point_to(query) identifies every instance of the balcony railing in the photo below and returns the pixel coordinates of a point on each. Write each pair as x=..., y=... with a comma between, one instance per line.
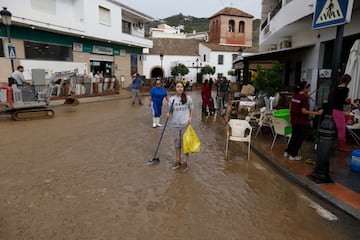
x=276, y=10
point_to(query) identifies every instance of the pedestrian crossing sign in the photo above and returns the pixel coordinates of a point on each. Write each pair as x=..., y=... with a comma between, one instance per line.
x=11, y=52
x=329, y=13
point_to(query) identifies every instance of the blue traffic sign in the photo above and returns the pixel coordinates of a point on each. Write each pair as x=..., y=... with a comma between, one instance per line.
x=329, y=13
x=11, y=52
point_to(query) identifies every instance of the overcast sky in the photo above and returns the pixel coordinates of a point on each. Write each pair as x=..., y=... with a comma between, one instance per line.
x=159, y=9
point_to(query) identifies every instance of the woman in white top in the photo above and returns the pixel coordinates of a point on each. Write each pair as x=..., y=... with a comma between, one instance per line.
x=181, y=117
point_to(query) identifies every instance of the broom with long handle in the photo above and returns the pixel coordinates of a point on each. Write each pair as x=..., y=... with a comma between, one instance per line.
x=156, y=159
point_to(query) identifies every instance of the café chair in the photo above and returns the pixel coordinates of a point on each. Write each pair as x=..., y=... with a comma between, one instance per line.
x=280, y=128
x=240, y=131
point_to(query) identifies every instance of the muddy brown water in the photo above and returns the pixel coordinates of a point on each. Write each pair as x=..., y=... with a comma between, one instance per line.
x=83, y=175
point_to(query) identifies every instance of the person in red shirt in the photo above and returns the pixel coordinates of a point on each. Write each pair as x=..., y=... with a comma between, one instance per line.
x=205, y=95
x=299, y=111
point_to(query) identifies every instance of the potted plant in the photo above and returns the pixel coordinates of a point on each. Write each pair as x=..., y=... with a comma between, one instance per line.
x=268, y=81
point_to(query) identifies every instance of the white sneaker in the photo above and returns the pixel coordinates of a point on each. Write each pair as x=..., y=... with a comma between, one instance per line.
x=296, y=158
x=286, y=154
x=159, y=125
x=154, y=125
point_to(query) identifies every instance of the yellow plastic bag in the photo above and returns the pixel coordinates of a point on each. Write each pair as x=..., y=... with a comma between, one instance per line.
x=191, y=142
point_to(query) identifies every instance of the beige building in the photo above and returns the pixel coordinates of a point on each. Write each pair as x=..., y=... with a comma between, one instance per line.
x=100, y=35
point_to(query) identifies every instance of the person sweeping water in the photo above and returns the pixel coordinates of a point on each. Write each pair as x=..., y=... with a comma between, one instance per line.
x=180, y=117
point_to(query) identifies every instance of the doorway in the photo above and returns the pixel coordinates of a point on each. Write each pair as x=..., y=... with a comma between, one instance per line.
x=102, y=66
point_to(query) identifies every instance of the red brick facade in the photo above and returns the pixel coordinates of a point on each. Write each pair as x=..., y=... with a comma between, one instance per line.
x=231, y=26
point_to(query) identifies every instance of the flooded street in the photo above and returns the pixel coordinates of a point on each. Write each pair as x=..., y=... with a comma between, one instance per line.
x=83, y=175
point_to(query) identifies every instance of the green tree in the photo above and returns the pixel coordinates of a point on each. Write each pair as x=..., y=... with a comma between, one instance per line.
x=207, y=69
x=231, y=72
x=179, y=69
x=269, y=80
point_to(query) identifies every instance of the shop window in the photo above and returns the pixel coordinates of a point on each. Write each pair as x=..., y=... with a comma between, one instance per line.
x=134, y=65
x=44, y=51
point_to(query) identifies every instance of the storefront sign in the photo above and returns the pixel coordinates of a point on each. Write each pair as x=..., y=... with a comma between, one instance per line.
x=78, y=47
x=102, y=50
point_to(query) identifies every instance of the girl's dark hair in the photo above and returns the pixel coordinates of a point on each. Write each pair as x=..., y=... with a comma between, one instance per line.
x=183, y=98
x=183, y=95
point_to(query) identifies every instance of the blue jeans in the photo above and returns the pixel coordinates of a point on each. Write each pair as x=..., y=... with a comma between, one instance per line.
x=136, y=95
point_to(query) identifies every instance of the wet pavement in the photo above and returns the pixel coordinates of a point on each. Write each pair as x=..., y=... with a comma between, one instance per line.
x=344, y=193
x=83, y=175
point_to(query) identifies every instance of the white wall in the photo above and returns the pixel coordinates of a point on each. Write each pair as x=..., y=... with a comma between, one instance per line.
x=169, y=61
x=23, y=12
x=212, y=59
x=289, y=13
x=79, y=18
x=224, y=68
x=51, y=67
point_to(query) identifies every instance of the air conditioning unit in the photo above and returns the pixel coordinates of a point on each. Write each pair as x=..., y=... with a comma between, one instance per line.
x=273, y=47
x=285, y=44
x=135, y=25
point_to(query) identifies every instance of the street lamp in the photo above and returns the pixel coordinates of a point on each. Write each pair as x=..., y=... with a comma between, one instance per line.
x=6, y=19
x=161, y=60
x=197, y=65
x=327, y=131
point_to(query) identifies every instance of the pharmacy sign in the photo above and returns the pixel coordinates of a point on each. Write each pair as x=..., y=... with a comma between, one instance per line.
x=329, y=13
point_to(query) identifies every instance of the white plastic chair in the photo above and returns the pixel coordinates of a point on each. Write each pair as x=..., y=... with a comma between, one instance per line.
x=265, y=120
x=239, y=131
x=279, y=125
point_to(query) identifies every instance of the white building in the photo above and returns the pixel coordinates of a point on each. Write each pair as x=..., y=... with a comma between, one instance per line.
x=230, y=29
x=287, y=35
x=57, y=35
x=174, y=51
x=165, y=31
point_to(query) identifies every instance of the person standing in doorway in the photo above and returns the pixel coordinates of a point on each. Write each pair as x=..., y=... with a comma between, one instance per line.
x=341, y=95
x=181, y=116
x=156, y=98
x=299, y=117
x=136, y=84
